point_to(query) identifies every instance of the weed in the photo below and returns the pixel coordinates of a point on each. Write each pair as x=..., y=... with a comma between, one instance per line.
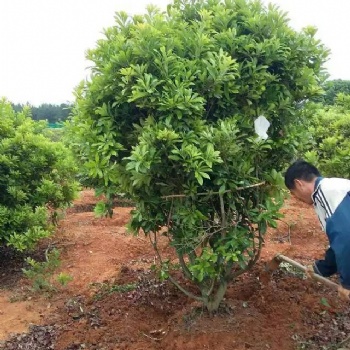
x=63, y=279
x=40, y=273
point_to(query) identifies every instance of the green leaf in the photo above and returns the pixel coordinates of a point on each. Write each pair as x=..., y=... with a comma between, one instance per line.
x=324, y=302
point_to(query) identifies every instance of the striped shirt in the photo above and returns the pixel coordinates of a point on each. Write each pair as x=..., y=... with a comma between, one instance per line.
x=328, y=195
x=331, y=200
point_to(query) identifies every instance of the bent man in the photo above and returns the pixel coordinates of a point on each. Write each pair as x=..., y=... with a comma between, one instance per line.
x=331, y=200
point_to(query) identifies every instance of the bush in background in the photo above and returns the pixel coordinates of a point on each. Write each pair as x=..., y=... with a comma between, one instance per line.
x=329, y=138
x=36, y=178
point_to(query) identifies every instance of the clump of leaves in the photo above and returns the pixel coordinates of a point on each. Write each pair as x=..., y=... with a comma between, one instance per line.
x=104, y=209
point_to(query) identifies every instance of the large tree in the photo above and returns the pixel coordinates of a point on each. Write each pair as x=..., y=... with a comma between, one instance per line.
x=168, y=117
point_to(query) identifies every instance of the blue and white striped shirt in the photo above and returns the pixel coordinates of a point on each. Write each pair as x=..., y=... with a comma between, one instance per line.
x=331, y=200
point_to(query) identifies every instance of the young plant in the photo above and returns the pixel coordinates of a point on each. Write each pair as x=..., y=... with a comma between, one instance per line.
x=63, y=279
x=40, y=273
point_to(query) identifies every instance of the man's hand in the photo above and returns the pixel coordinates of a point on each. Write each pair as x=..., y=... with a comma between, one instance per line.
x=344, y=293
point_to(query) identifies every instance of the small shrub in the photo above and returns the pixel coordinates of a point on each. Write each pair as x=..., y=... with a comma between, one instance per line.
x=41, y=273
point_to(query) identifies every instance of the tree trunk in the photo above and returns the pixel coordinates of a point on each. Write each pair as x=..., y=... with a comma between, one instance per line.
x=212, y=302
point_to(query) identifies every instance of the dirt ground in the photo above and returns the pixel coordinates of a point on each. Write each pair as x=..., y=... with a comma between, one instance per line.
x=114, y=301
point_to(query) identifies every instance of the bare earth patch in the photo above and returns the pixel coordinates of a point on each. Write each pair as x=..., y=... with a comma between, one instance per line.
x=115, y=302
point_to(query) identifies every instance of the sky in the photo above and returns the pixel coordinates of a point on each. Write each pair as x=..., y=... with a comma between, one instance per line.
x=43, y=42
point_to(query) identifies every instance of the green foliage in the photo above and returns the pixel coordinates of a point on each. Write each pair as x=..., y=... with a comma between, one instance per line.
x=170, y=110
x=334, y=87
x=63, y=279
x=40, y=273
x=36, y=178
x=324, y=302
x=104, y=209
x=54, y=134
x=329, y=144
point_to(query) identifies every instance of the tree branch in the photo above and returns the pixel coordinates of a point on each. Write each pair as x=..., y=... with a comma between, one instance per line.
x=172, y=280
x=192, y=256
x=232, y=276
x=211, y=287
x=212, y=193
x=223, y=214
x=184, y=267
x=189, y=294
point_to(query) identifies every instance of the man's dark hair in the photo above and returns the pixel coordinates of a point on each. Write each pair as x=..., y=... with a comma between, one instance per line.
x=300, y=170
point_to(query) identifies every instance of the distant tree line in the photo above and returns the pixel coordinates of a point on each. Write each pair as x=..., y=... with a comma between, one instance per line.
x=47, y=111
x=332, y=88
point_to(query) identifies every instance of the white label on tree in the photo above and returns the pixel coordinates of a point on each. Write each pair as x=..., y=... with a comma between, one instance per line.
x=261, y=125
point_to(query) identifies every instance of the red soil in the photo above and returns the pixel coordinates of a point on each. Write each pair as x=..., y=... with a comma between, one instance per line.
x=276, y=314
